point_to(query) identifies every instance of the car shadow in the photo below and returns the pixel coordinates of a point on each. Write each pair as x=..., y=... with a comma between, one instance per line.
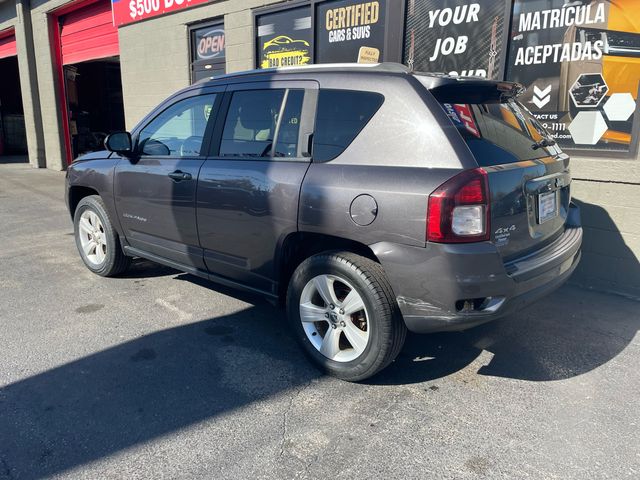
x=160, y=383
x=142, y=268
x=569, y=333
x=145, y=388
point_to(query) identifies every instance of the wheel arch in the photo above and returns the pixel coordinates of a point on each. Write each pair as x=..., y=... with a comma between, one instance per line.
x=299, y=246
x=77, y=193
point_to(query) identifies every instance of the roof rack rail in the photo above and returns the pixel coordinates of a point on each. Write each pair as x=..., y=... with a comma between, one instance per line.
x=389, y=67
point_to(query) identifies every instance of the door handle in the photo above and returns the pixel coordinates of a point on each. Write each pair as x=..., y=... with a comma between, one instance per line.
x=178, y=176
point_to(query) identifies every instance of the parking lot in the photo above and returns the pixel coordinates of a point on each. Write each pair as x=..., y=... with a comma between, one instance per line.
x=159, y=374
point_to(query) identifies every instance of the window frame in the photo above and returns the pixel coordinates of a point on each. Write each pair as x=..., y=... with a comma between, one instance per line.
x=169, y=103
x=307, y=119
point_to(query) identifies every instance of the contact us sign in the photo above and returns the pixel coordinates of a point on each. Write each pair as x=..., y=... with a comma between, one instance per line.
x=129, y=11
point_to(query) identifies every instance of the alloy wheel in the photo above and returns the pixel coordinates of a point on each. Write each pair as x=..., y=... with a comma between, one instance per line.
x=335, y=318
x=92, y=237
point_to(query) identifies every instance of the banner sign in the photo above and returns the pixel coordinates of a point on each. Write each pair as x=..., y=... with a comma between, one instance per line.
x=350, y=31
x=580, y=62
x=457, y=37
x=129, y=11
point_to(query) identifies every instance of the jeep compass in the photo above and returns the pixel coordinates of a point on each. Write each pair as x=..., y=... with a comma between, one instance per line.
x=370, y=200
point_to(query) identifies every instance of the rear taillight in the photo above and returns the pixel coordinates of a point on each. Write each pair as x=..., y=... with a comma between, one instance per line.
x=458, y=209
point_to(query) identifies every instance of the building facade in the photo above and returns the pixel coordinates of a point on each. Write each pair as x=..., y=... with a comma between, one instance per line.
x=73, y=71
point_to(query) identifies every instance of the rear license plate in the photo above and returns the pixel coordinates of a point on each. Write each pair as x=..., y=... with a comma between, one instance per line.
x=547, y=206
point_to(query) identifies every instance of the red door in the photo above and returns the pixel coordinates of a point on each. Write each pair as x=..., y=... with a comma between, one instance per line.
x=8, y=43
x=88, y=34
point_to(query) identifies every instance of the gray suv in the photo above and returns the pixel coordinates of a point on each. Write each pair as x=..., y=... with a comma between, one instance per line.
x=369, y=199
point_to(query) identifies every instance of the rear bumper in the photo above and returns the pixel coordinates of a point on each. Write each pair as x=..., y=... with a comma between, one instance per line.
x=432, y=283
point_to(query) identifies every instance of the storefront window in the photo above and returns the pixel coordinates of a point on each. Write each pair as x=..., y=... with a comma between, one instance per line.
x=207, y=51
x=350, y=31
x=330, y=31
x=459, y=38
x=284, y=38
x=581, y=66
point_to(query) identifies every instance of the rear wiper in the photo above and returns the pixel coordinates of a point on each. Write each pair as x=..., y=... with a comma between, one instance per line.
x=545, y=142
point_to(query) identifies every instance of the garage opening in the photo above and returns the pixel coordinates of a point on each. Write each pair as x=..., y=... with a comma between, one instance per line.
x=90, y=60
x=13, y=138
x=94, y=102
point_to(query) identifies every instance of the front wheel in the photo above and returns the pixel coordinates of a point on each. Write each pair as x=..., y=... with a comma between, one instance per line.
x=344, y=314
x=97, y=240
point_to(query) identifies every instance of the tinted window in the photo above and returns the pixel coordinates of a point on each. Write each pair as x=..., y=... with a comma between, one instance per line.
x=499, y=132
x=287, y=141
x=179, y=130
x=250, y=126
x=340, y=116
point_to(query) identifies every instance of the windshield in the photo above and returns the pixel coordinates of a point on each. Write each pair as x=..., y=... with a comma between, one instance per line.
x=500, y=132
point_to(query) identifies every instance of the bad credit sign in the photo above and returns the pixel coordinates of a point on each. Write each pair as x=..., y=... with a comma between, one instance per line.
x=129, y=11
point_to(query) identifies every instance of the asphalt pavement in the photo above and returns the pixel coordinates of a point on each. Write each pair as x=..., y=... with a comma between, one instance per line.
x=159, y=374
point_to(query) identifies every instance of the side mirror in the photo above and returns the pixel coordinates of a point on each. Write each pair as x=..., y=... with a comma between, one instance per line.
x=119, y=142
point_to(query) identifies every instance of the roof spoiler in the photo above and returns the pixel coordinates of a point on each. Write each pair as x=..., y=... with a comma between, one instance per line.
x=473, y=90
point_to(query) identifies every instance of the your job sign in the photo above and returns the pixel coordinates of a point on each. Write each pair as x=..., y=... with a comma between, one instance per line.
x=459, y=38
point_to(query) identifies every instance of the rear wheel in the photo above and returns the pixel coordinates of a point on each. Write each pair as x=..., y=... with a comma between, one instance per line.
x=344, y=314
x=97, y=240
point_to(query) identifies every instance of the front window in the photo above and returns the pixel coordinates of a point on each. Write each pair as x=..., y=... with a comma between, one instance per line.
x=179, y=130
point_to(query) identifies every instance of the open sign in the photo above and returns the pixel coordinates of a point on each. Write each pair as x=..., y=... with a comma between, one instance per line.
x=210, y=44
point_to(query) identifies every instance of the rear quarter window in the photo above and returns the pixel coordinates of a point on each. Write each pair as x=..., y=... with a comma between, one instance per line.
x=340, y=116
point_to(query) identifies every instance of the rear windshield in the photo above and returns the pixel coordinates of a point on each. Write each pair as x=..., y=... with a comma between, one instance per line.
x=500, y=132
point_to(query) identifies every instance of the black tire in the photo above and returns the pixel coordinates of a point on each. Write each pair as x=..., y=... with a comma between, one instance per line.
x=387, y=330
x=115, y=261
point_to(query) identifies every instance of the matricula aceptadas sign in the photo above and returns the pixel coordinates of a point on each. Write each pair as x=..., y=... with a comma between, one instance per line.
x=580, y=63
